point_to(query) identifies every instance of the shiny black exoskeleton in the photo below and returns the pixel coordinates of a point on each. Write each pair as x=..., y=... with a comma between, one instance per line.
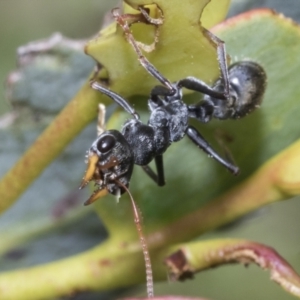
x=116, y=152
x=111, y=158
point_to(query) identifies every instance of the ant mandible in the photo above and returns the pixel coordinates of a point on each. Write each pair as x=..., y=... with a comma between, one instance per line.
x=111, y=158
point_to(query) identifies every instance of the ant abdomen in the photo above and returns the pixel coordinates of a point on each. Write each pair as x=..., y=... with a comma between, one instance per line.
x=247, y=82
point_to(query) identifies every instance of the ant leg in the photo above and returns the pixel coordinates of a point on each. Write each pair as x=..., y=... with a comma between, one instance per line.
x=202, y=111
x=115, y=97
x=142, y=59
x=195, y=84
x=150, y=173
x=160, y=170
x=221, y=52
x=155, y=99
x=101, y=119
x=158, y=178
x=199, y=140
x=223, y=139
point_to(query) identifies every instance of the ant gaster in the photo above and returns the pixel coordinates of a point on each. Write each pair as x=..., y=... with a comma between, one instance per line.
x=111, y=158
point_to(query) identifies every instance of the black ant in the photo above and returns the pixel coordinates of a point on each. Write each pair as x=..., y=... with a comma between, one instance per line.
x=113, y=154
x=111, y=158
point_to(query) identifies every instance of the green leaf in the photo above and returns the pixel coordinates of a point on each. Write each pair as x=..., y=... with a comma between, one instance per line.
x=196, y=186
x=265, y=132
x=178, y=35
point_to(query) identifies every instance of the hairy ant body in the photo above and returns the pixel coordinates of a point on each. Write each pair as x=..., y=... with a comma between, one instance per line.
x=113, y=154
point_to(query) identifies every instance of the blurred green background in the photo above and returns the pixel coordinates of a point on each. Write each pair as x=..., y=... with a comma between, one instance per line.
x=22, y=21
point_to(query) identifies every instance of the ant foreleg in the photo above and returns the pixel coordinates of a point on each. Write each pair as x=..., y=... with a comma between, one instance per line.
x=115, y=97
x=158, y=178
x=199, y=140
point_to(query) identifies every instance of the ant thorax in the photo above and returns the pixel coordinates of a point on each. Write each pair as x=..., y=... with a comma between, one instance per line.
x=172, y=117
x=140, y=137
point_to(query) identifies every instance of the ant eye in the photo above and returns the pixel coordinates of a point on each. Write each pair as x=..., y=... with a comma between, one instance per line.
x=106, y=143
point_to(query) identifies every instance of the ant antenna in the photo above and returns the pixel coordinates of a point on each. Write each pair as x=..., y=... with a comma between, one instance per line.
x=143, y=60
x=137, y=221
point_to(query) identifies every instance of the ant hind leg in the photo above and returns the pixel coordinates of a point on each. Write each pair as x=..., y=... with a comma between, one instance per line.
x=221, y=52
x=199, y=140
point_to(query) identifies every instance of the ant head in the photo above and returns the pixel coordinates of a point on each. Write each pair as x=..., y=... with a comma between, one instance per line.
x=109, y=160
x=247, y=82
